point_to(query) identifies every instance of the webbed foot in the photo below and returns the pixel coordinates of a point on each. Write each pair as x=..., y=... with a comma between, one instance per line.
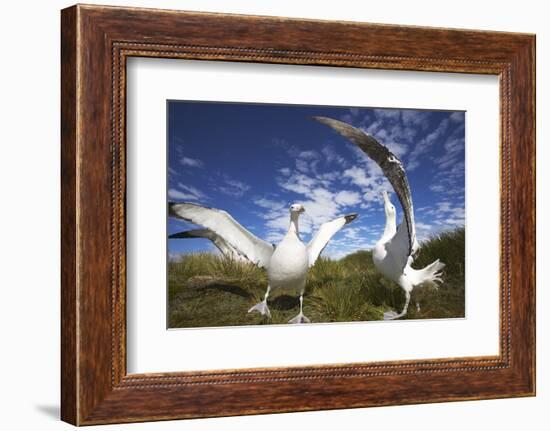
x=300, y=318
x=392, y=315
x=262, y=308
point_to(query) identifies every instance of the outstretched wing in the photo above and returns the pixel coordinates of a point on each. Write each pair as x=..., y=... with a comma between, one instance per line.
x=222, y=245
x=391, y=167
x=324, y=234
x=398, y=247
x=221, y=223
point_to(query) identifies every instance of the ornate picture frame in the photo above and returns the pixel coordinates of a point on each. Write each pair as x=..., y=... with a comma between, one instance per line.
x=96, y=41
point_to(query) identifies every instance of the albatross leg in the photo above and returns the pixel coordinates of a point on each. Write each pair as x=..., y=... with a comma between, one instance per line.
x=407, y=300
x=261, y=307
x=300, y=318
x=392, y=315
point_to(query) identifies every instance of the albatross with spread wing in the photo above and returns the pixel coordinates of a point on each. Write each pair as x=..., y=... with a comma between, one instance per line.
x=286, y=264
x=393, y=253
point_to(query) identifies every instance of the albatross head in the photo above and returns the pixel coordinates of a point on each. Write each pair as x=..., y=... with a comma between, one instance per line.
x=296, y=209
x=388, y=207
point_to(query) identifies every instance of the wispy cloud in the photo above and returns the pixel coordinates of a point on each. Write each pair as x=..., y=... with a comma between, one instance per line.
x=187, y=192
x=453, y=148
x=178, y=194
x=457, y=117
x=302, y=165
x=347, y=198
x=395, y=128
x=321, y=194
x=190, y=162
x=359, y=177
x=425, y=144
x=232, y=187
x=443, y=215
x=308, y=155
x=370, y=180
x=332, y=156
x=437, y=188
x=298, y=183
x=416, y=119
x=269, y=203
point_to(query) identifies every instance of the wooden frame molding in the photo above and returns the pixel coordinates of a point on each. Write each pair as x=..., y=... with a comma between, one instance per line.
x=95, y=43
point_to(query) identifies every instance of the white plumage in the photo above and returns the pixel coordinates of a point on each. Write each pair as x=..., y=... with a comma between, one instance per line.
x=286, y=264
x=392, y=259
x=222, y=224
x=223, y=246
x=393, y=253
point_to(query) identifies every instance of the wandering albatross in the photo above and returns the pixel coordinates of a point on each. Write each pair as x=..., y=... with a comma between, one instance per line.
x=388, y=256
x=286, y=263
x=393, y=253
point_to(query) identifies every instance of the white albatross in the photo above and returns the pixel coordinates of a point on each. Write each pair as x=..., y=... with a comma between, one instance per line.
x=393, y=253
x=286, y=264
x=390, y=254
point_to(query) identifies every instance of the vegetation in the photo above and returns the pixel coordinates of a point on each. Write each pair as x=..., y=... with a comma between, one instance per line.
x=210, y=290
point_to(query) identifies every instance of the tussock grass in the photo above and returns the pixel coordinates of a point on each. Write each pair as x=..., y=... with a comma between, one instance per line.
x=210, y=290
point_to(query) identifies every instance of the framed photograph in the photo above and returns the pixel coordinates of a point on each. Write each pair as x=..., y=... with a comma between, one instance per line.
x=317, y=215
x=275, y=158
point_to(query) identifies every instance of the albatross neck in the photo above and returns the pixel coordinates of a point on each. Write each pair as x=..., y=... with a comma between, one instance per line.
x=293, y=228
x=390, y=229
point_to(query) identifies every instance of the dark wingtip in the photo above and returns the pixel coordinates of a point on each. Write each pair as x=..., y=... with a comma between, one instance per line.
x=332, y=122
x=320, y=119
x=193, y=233
x=171, y=208
x=185, y=234
x=350, y=217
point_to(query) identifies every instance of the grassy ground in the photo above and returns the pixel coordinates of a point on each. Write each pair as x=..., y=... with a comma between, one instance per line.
x=209, y=290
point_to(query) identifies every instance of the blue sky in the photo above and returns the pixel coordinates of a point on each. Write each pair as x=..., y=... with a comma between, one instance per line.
x=255, y=160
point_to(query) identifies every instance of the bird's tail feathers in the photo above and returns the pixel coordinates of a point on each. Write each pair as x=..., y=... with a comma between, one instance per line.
x=430, y=274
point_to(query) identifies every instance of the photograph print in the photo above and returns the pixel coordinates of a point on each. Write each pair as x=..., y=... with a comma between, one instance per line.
x=295, y=214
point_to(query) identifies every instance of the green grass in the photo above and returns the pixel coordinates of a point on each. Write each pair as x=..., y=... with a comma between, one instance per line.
x=209, y=290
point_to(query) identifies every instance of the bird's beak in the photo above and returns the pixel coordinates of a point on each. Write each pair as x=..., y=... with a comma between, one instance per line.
x=350, y=217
